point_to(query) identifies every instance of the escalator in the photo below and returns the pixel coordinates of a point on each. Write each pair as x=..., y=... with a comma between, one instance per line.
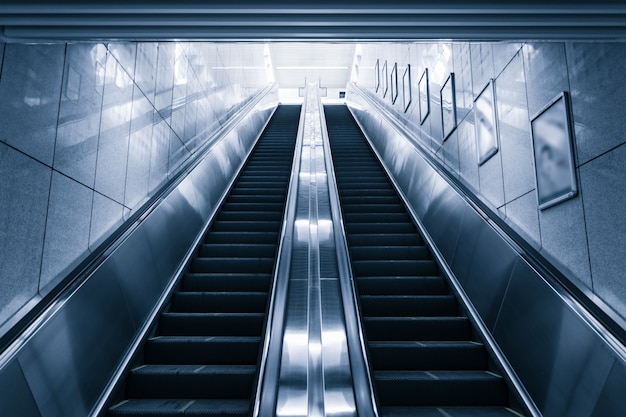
x=204, y=354
x=424, y=356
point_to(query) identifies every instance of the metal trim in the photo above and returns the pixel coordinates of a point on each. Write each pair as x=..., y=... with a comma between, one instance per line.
x=269, y=370
x=363, y=387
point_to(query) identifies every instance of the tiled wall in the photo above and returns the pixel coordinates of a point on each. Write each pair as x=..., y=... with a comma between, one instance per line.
x=88, y=132
x=585, y=237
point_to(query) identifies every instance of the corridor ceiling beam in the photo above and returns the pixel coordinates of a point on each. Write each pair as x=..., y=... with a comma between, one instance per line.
x=312, y=20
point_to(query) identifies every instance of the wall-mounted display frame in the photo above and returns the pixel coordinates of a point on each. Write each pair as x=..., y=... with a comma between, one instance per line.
x=394, y=83
x=377, y=75
x=385, y=78
x=423, y=96
x=448, y=107
x=486, y=122
x=555, y=169
x=407, y=95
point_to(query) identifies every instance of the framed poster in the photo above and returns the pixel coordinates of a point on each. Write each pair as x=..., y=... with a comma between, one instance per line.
x=385, y=78
x=407, y=96
x=423, y=99
x=448, y=107
x=555, y=171
x=394, y=83
x=377, y=75
x=486, y=123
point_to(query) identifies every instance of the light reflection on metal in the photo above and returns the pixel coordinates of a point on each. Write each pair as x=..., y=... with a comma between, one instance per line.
x=315, y=374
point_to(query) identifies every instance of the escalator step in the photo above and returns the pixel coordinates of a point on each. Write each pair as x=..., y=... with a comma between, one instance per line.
x=249, y=265
x=242, y=237
x=262, y=216
x=427, y=356
x=259, y=206
x=191, y=381
x=394, y=267
x=441, y=388
x=389, y=252
x=241, y=250
x=245, y=226
x=417, y=328
x=226, y=282
x=175, y=407
x=377, y=218
x=448, y=412
x=368, y=228
x=256, y=199
x=385, y=239
x=219, y=302
x=408, y=305
x=211, y=324
x=434, y=285
x=190, y=350
x=372, y=208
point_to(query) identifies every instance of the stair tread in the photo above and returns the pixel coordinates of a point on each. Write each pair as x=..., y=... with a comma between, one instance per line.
x=437, y=375
x=448, y=412
x=204, y=407
x=165, y=369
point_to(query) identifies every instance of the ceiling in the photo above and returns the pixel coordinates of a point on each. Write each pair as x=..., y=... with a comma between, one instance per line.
x=319, y=20
x=329, y=63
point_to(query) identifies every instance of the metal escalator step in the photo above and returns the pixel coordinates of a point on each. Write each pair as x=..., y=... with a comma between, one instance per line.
x=409, y=305
x=385, y=239
x=190, y=350
x=241, y=250
x=242, y=237
x=250, y=265
x=389, y=252
x=240, y=190
x=219, y=302
x=427, y=356
x=173, y=407
x=226, y=282
x=440, y=388
x=372, y=208
x=377, y=217
x=191, y=381
x=417, y=328
x=394, y=267
x=379, y=227
x=448, y=412
x=388, y=285
x=230, y=215
x=255, y=198
x=366, y=191
x=211, y=324
x=245, y=226
x=258, y=206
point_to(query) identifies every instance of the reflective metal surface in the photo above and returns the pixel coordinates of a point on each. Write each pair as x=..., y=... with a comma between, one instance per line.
x=71, y=357
x=361, y=377
x=307, y=370
x=568, y=363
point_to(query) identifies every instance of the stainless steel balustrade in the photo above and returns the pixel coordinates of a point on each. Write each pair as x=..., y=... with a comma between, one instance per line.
x=361, y=376
x=567, y=362
x=313, y=359
x=66, y=363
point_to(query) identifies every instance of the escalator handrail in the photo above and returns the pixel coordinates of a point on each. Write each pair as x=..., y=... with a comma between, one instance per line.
x=363, y=386
x=601, y=318
x=269, y=369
